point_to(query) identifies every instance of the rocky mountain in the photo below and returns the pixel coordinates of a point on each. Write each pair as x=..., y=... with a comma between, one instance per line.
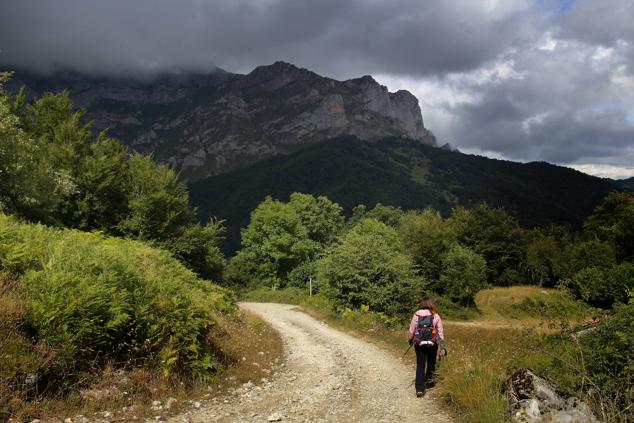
x=403, y=173
x=206, y=124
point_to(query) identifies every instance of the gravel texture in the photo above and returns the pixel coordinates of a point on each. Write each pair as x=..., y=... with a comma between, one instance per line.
x=327, y=376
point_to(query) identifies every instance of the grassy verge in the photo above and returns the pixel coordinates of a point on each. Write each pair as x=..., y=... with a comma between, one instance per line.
x=129, y=394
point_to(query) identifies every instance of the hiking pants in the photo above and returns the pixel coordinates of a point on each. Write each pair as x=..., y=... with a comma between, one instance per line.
x=425, y=365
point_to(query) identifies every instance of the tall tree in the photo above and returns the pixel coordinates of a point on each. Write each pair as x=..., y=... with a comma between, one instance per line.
x=322, y=218
x=369, y=268
x=613, y=221
x=273, y=244
x=426, y=236
x=495, y=235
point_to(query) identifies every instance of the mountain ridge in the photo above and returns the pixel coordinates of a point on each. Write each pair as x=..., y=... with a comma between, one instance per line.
x=208, y=123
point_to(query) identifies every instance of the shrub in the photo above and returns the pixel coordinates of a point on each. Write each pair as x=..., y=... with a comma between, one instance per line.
x=597, y=364
x=91, y=298
x=602, y=288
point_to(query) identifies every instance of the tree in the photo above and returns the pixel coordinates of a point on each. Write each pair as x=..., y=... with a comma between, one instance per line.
x=158, y=202
x=613, y=221
x=103, y=182
x=543, y=257
x=369, y=268
x=322, y=218
x=583, y=254
x=463, y=275
x=389, y=215
x=54, y=171
x=30, y=185
x=273, y=244
x=496, y=236
x=426, y=236
x=198, y=248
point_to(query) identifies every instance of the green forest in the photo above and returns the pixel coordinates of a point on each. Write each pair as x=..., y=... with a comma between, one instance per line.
x=104, y=260
x=403, y=173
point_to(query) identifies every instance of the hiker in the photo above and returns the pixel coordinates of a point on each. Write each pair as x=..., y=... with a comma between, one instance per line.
x=428, y=337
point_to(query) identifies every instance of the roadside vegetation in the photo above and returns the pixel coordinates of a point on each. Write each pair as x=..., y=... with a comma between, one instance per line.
x=104, y=268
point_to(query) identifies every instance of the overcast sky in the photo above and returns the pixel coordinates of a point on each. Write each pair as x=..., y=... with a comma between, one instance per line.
x=523, y=80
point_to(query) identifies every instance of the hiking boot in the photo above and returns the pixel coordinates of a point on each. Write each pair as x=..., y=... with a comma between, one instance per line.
x=420, y=393
x=430, y=385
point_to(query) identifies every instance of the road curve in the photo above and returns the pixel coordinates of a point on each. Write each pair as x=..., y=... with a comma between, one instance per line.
x=328, y=376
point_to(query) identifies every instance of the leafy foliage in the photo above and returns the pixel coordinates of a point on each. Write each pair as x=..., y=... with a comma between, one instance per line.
x=495, y=235
x=463, y=275
x=274, y=243
x=91, y=299
x=322, y=218
x=368, y=268
x=604, y=287
x=426, y=237
x=613, y=221
x=56, y=172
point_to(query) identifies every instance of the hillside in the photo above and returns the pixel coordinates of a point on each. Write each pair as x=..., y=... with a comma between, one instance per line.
x=209, y=123
x=625, y=183
x=402, y=173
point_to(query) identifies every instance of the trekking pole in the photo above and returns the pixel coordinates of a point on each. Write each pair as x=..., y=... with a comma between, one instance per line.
x=407, y=350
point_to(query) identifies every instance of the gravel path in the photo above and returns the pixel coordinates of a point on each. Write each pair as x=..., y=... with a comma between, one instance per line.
x=328, y=376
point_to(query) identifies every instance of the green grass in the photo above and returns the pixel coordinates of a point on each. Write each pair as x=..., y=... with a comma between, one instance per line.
x=530, y=303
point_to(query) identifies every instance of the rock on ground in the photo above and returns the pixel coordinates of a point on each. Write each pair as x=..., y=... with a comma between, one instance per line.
x=533, y=400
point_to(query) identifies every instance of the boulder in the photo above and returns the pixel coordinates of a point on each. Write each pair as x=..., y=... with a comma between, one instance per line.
x=533, y=399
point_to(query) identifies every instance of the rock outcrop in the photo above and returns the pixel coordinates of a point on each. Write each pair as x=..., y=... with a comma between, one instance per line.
x=533, y=400
x=205, y=124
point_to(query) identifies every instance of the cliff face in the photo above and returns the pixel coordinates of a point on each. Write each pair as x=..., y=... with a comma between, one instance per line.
x=206, y=124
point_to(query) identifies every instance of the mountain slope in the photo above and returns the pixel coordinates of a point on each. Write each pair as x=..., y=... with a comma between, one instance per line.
x=625, y=183
x=402, y=173
x=205, y=124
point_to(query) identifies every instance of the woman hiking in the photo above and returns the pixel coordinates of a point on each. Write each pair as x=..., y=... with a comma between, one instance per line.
x=428, y=337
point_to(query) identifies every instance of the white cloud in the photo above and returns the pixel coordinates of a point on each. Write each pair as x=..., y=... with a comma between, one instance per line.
x=605, y=171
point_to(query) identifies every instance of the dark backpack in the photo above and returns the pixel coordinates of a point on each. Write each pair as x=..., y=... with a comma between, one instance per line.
x=425, y=333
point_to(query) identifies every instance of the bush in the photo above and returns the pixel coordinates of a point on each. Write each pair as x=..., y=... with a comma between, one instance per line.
x=598, y=364
x=603, y=288
x=90, y=298
x=301, y=275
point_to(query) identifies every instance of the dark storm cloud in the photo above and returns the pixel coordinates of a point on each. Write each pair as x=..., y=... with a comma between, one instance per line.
x=571, y=102
x=339, y=38
x=520, y=79
x=567, y=96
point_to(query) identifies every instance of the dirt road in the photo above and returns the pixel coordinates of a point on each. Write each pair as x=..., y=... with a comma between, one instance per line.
x=328, y=376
